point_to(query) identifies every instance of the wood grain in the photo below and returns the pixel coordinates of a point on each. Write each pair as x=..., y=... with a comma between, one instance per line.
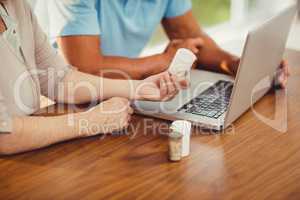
x=252, y=162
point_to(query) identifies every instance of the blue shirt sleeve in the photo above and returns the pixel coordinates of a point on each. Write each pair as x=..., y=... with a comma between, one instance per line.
x=73, y=17
x=177, y=8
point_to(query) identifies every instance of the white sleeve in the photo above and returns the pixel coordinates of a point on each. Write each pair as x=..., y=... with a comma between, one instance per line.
x=48, y=60
x=5, y=118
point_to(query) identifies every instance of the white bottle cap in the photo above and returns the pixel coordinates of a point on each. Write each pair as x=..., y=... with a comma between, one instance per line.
x=183, y=127
x=182, y=62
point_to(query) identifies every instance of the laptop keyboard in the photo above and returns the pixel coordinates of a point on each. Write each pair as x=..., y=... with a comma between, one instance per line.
x=213, y=102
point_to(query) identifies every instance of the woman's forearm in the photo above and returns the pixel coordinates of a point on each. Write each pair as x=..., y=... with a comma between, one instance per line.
x=79, y=88
x=29, y=133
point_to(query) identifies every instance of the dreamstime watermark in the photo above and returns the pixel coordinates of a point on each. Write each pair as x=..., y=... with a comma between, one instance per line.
x=70, y=94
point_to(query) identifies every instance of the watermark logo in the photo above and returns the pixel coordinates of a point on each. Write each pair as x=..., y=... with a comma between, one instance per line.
x=70, y=94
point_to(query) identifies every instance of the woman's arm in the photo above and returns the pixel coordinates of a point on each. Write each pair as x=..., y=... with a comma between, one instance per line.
x=79, y=88
x=30, y=133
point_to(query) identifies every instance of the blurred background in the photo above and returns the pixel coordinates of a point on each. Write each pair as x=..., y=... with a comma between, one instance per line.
x=230, y=20
x=225, y=20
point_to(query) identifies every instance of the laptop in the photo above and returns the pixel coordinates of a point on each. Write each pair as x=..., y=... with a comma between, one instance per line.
x=214, y=101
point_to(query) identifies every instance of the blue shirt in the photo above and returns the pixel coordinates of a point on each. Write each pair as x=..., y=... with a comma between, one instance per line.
x=124, y=26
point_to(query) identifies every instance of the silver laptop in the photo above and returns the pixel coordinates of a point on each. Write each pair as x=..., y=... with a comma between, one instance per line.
x=215, y=101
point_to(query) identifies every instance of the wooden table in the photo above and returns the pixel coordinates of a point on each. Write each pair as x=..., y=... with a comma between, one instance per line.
x=253, y=162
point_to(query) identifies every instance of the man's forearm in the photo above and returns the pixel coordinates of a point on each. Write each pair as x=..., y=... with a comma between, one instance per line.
x=137, y=68
x=84, y=53
x=210, y=56
x=213, y=58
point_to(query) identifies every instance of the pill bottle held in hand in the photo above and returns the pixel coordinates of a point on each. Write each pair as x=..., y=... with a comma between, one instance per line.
x=182, y=63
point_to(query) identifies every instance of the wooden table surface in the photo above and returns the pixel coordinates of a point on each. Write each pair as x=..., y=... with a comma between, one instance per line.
x=254, y=161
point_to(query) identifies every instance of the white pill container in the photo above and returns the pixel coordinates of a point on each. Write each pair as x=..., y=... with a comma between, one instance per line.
x=179, y=139
x=182, y=63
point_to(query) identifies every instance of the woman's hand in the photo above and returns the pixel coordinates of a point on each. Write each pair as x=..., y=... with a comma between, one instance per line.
x=161, y=87
x=109, y=116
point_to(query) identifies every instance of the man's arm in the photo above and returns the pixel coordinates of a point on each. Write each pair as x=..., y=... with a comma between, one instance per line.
x=84, y=52
x=76, y=27
x=210, y=56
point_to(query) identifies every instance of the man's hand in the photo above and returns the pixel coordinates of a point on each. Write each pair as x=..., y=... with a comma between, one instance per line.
x=193, y=44
x=281, y=77
x=210, y=55
x=230, y=66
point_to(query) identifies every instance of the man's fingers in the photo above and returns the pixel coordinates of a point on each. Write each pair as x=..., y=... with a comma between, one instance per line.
x=286, y=68
x=283, y=83
x=283, y=74
x=195, y=44
x=176, y=41
x=198, y=42
x=195, y=50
